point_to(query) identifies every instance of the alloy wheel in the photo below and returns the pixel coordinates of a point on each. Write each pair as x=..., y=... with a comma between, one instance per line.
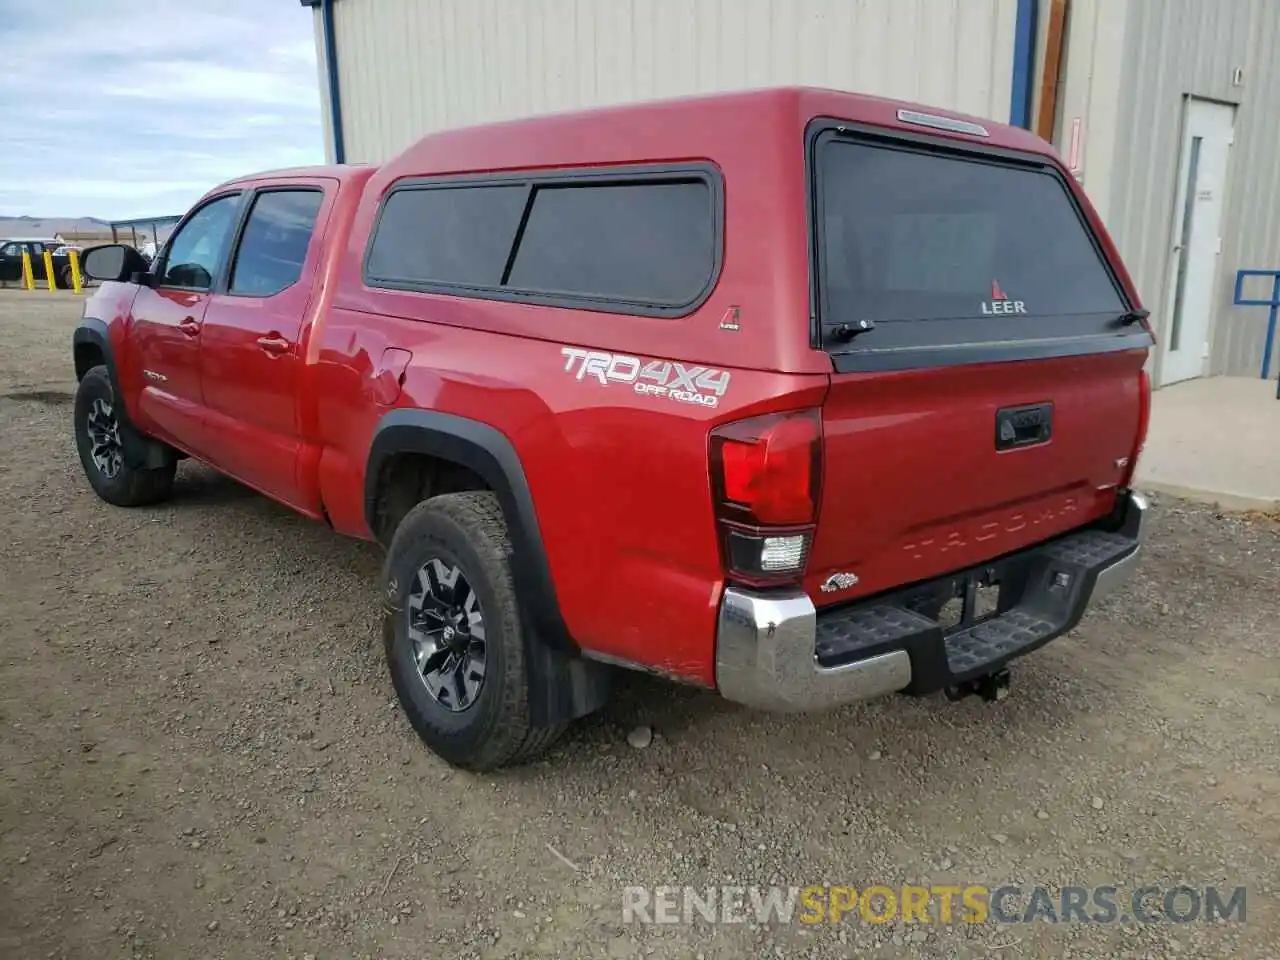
x=446, y=632
x=104, y=436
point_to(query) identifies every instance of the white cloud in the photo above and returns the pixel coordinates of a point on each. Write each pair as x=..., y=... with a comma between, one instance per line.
x=126, y=109
x=192, y=84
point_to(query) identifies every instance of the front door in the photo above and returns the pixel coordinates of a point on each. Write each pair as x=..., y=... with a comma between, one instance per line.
x=11, y=263
x=167, y=318
x=251, y=351
x=1207, y=137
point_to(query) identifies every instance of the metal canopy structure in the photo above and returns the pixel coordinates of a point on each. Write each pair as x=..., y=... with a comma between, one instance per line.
x=143, y=223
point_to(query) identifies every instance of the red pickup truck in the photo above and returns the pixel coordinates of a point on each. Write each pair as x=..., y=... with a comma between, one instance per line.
x=799, y=395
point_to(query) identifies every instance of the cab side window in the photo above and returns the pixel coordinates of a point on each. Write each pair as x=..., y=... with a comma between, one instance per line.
x=274, y=244
x=10, y=250
x=196, y=249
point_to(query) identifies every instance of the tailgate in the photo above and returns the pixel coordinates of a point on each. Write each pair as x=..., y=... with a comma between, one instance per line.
x=987, y=393
x=916, y=483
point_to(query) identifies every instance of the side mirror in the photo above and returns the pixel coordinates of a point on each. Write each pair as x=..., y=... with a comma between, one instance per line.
x=113, y=261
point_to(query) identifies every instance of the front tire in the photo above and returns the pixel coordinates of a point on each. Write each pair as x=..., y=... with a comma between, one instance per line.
x=453, y=636
x=98, y=441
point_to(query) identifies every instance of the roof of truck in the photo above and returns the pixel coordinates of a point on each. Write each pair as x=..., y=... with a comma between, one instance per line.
x=652, y=129
x=678, y=127
x=335, y=171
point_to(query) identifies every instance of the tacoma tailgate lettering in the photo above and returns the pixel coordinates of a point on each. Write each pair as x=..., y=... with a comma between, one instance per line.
x=958, y=538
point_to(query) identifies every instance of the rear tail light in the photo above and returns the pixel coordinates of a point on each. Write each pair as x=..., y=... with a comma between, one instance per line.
x=765, y=474
x=1144, y=421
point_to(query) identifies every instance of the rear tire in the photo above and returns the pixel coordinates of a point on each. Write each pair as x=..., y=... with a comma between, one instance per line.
x=98, y=441
x=453, y=636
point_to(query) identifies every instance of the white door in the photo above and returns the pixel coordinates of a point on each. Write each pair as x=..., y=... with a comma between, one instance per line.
x=1197, y=244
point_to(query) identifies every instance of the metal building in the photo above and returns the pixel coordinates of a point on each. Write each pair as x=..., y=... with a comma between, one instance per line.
x=1164, y=108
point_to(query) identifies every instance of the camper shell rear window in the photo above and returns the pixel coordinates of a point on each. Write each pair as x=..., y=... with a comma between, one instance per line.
x=937, y=255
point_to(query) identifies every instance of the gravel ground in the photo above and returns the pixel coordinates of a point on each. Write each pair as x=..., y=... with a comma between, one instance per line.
x=202, y=756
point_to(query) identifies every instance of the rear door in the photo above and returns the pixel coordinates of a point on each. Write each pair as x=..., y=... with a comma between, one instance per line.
x=251, y=348
x=987, y=383
x=35, y=250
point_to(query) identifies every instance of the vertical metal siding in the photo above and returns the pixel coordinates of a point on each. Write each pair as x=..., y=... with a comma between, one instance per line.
x=407, y=67
x=1251, y=232
x=1179, y=48
x=1094, y=57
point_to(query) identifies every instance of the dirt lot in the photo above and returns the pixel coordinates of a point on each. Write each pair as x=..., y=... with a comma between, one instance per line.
x=201, y=756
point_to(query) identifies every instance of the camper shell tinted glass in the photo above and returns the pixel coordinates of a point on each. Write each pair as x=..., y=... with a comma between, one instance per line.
x=637, y=240
x=648, y=242
x=941, y=255
x=456, y=233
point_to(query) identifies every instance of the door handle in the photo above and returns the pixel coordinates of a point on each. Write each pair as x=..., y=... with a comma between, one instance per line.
x=190, y=326
x=274, y=344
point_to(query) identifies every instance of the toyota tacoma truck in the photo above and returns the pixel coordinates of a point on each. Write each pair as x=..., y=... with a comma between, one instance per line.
x=798, y=395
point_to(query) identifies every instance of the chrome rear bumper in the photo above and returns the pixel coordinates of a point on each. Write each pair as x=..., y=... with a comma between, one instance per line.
x=767, y=644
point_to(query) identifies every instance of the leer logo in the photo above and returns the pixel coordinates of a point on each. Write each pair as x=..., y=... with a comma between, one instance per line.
x=1000, y=303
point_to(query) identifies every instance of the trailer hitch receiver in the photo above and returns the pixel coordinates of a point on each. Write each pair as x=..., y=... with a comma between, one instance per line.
x=992, y=687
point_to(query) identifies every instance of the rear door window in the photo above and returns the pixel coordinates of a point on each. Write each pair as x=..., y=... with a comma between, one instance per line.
x=941, y=250
x=273, y=246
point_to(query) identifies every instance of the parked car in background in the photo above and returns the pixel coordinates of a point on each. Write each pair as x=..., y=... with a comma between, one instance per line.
x=12, y=248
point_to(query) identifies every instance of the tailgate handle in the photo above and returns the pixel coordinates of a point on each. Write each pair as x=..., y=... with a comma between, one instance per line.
x=1023, y=426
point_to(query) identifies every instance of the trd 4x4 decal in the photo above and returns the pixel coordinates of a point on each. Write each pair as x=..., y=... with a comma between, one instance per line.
x=655, y=378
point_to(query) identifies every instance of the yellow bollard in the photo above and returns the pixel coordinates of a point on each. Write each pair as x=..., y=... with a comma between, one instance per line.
x=48, y=271
x=28, y=275
x=74, y=257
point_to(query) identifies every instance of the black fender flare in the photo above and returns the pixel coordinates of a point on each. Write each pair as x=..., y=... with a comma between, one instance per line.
x=93, y=332
x=139, y=449
x=562, y=684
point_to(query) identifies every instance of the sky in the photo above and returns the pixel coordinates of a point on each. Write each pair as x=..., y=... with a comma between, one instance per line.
x=117, y=109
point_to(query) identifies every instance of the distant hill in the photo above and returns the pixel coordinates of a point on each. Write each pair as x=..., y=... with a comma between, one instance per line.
x=68, y=227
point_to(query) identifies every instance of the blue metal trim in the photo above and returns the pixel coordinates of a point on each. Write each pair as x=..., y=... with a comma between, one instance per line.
x=331, y=69
x=1024, y=58
x=1274, y=303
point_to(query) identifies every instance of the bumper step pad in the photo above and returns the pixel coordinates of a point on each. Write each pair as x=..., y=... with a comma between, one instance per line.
x=995, y=641
x=1043, y=593
x=840, y=638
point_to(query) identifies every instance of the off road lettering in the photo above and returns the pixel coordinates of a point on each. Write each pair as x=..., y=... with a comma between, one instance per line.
x=648, y=378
